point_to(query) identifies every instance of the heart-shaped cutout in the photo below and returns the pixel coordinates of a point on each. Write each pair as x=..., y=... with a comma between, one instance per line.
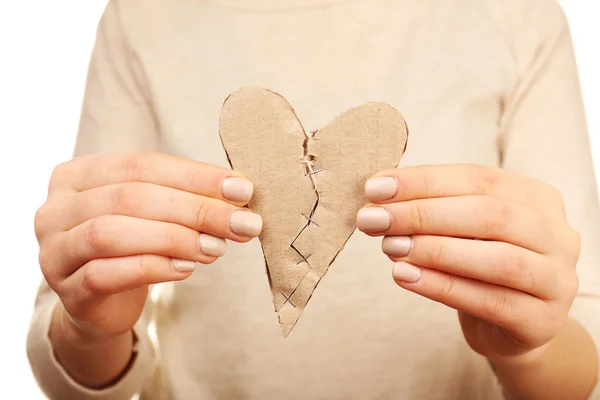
x=308, y=187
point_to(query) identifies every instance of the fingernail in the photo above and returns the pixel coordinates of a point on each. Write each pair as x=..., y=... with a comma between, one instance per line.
x=211, y=245
x=237, y=189
x=245, y=223
x=373, y=219
x=396, y=246
x=183, y=265
x=381, y=188
x=405, y=272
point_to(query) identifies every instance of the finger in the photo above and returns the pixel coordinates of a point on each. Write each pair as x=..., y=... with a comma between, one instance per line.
x=431, y=181
x=89, y=172
x=508, y=308
x=119, y=236
x=116, y=275
x=497, y=263
x=477, y=217
x=159, y=203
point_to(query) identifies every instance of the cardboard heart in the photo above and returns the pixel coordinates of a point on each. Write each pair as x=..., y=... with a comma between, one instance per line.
x=308, y=187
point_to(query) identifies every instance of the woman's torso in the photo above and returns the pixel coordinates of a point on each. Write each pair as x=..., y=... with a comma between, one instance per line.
x=444, y=65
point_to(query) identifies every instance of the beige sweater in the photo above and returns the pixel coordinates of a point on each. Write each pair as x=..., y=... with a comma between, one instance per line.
x=489, y=82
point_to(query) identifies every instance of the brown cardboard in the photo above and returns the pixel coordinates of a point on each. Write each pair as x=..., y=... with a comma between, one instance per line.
x=266, y=142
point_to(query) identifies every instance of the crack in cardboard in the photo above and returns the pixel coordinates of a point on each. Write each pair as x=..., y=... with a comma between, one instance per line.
x=309, y=160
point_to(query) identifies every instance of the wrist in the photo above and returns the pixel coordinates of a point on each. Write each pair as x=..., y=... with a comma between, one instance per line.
x=74, y=348
x=530, y=359
x=547, y=372
x=64, y=329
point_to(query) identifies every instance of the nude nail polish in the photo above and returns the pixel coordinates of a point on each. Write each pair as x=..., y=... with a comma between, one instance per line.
x=396, y=246
x=183, y=265
x=245, y=223
x=211, y=245
x=237, y=189
x=381, y=188
x=405, y=272
x=373, y=219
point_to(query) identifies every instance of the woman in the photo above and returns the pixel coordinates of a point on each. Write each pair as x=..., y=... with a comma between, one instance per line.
x=498, y=151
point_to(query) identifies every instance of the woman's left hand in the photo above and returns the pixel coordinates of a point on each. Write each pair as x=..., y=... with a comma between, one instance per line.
x=494, y=245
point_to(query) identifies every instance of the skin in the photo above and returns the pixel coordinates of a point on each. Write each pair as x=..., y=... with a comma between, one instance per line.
x=106, y=233
x=513, y=286
x=111, y=226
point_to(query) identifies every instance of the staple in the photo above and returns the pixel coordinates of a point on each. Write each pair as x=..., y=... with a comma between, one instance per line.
x=305, y=259
x=312, y=173
x=288, y=299
x=310, y=219
x=316, y=171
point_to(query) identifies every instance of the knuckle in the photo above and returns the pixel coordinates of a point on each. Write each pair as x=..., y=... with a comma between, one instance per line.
x=47, y=265
x=483, y=180
x=44, y=258
x=71, y=301
x=568, y=243
x=418, y=217
x=142, y=264
x=494, y=302
x=92, y=277
x=67, y=171
x=555, y=196
x=195, y=179
x=126, y=199
x=552, y=280
x=170, y=239
x=96, y=235
x=494, y=215
x=61, y=171
x=511, y=268
x=575, y=243
x=438, y=253
x=570, y=285
x=136, y=167
x=40, y=222
x=554, y=318
x=426, y=181
x=200, y=215
x=447, y=290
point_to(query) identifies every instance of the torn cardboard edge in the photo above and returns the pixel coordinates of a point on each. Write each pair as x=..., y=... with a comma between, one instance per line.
x=308, y=191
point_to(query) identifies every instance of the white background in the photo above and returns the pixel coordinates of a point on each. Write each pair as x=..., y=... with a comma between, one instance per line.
x=44, y=51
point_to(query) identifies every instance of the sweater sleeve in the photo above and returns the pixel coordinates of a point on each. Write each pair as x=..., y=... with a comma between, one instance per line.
x=116, y=116
x=544, y=135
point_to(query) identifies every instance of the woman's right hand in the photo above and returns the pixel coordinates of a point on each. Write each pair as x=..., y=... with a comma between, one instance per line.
x=115, y=223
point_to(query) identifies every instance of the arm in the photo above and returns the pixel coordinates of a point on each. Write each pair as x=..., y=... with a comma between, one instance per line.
x=116, y=116
x=55, y=353
x=550, y=374
x=545, y=137
x=497, y=247
x=527, y=295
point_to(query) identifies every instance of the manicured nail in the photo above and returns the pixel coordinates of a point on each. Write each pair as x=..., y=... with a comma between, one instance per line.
x=373, y=219
x=396, y=246
x=381, y=188
x=405, y=272
x=245, y=223
x=237, y=189
x=211, y=245
x=183, y=265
